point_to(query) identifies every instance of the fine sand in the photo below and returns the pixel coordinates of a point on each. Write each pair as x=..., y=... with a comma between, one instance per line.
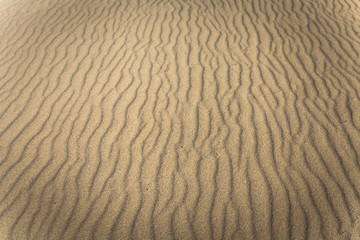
x=179, y=119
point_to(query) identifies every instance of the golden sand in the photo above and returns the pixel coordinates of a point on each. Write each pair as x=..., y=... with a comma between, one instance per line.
x=179, y=119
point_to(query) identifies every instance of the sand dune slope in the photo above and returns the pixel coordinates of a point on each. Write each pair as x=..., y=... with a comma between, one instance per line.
x=179, y=119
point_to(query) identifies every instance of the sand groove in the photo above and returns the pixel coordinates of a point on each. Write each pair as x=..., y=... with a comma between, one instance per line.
x=179, y=119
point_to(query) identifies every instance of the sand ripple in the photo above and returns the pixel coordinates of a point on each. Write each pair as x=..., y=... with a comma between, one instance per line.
x=179, y=119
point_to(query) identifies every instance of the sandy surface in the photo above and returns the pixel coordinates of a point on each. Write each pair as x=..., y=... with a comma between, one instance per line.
x=179, y=119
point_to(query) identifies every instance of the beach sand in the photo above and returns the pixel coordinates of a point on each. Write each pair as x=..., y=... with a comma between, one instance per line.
x=179, y=119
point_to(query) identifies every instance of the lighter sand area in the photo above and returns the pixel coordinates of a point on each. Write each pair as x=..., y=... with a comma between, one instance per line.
x=179, y=119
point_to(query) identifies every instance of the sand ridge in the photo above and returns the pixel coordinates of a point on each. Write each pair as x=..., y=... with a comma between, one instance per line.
x=179, y=119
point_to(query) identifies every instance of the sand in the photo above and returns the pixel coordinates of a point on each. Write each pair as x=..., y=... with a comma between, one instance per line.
x=179, y=119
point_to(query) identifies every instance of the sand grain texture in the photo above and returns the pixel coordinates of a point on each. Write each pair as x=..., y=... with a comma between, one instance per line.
x=179, y=119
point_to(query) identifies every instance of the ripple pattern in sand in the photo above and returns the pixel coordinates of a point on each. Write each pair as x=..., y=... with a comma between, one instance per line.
x=179, y=119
